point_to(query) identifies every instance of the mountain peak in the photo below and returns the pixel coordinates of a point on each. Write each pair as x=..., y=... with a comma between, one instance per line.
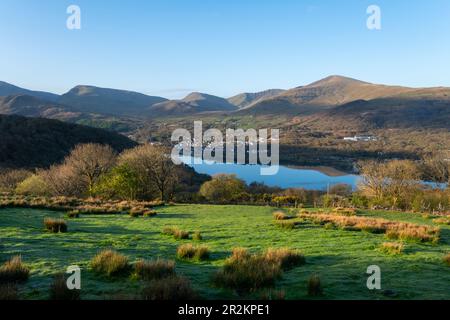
x=336, y=79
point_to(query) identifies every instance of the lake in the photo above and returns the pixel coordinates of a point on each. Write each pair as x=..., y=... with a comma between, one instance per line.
x=287, y=177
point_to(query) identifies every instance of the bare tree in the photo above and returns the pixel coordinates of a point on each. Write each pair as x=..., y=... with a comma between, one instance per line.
x=154, y=167
x=89, y=162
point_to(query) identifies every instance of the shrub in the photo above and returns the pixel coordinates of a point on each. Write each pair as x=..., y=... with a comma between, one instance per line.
x=55, y=225
x=110, y=263
x=14, y=271
x=33, y=185
x=314, y=286
x=173, y=288
x=280, y=215
x=150, y=270
x=197, y=236
x=447, y=259
x=190, y=252
x=59, y=290
x=392, y=248
x=285, y=258
x=8, y=292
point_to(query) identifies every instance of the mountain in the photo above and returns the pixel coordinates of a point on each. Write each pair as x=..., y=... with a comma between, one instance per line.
x=91, y=99
x=37, y=142
x=193, y=103
x=30, y=106
x=417, y=109
x=7, y=89
x=244, y=100
x=324, y=94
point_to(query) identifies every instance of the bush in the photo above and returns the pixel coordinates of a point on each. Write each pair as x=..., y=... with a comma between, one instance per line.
x=392, y=248
x=190, y=252
x=55, y=225
x=223, y=188
x=8, y=292
x=150, y=270
x=33, y=185
x=110, y=263
x=173, y=289
x=59, y=290
x=14, y=271
x=314, y=286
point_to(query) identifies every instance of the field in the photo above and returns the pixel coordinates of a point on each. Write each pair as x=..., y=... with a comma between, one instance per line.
x=339, y=257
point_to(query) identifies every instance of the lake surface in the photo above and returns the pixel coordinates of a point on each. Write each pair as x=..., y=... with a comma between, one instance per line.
x=287, y=177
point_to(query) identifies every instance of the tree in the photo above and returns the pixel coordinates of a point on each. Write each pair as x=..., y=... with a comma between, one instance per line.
x=9, y=179
x=34, y=185
x=223, y=188
x=122, y=183
x=89, y=162
x=154, y=168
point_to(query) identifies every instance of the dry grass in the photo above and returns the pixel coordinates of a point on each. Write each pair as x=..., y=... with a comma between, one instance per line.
x=345, y=211
x=197, y=236
x=169, y=289
x=315, y=286
x=286, y=258
x=191, y=252
x=59, y=290
x=392, y=229
x=110, y=263
x=151, y=270
x=443, y=220
x=73, y=214
x=55, y=225
x=280, y=215
x=14, y=271
x=392, y=247
x=288, y=225
x=8, y=292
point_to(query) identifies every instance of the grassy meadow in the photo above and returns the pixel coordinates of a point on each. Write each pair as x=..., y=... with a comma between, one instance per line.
x=339, y=257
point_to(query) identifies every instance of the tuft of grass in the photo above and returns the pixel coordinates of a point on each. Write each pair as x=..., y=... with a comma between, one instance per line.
x=191, y=252
x=392, y=247
x=197, y=236
x=245, y=272
x=447, y=259
x=274, y=295
x=151, y=270
x=284, y=257
x=110, y=263
x=280, y=215
x=55, y=225
x=8, y=292
x=288, y=225
x=315, y=286
x=59, y=290
x=73, y=214
x=150, y=213
x=443, y=220
x=176, y=233
x=14, y=271
x=173, y=288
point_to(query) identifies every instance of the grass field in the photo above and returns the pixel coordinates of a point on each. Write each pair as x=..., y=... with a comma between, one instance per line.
x=339, y=257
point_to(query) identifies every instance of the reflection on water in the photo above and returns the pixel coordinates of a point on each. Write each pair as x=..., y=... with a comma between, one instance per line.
x=287, y=177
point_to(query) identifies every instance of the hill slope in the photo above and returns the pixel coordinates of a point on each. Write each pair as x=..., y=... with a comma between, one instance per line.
x=7, y=89
x=91, y=99
x=244, y=100
x=35, y=142
x=193, y=103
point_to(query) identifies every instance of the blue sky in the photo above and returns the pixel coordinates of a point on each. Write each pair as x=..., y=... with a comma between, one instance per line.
x=172, y=47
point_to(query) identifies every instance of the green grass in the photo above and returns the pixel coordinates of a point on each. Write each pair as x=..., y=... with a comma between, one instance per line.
x=339, y=257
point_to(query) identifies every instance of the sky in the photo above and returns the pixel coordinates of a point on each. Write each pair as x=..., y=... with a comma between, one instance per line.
x=172, y=47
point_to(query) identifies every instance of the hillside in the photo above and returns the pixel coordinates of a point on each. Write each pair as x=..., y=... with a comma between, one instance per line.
x=36, y=142
x=91, y=99
x=244, y=100
x=324, y=94
x=7, y=89
x=193, y=103
x=417, y=109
